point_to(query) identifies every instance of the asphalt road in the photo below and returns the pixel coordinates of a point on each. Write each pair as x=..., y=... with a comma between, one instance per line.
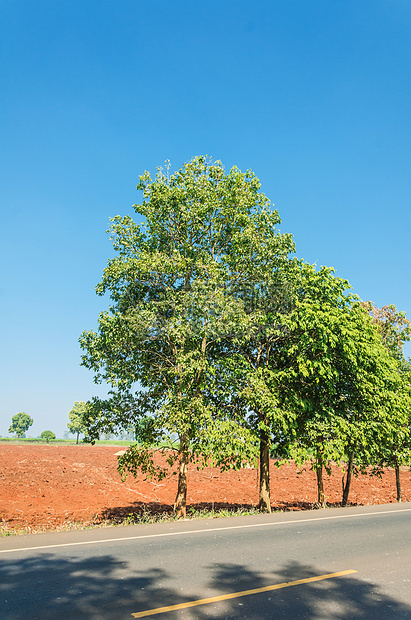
x=296, y=566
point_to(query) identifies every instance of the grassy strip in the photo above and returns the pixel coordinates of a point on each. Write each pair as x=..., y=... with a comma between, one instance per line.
x=144, y=515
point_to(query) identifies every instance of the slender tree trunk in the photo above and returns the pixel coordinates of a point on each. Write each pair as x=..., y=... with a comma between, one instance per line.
x=180, y=503
x=320, y=479
x=348, y=474
x=265, y=501
x=397, y=480
x=78, y=433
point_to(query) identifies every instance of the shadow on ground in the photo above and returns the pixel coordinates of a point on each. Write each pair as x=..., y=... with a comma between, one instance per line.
x=47, y=587
x=341, y=598
x=148, y=512
x=289, y=506
x=142, y=512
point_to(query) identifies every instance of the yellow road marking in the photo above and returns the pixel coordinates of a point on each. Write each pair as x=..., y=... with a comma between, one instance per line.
x=225, y=597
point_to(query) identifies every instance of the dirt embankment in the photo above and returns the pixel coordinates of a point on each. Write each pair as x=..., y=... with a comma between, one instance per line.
x=51, y=485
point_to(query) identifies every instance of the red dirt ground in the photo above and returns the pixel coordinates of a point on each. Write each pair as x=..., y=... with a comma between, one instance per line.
x=50, y=485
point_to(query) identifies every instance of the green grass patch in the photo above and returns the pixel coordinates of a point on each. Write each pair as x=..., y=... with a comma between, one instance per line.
x=149, y=513
x=65, y=442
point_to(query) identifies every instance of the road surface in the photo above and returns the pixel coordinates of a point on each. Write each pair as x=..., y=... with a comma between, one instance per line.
x=343, y=563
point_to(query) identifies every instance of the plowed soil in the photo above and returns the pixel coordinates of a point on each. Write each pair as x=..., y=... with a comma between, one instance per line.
x=51, y=485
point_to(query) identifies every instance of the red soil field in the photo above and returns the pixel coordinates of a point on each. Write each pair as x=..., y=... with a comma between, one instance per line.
x=49, y=486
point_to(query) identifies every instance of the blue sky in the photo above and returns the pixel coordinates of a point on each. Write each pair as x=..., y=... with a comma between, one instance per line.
x=314, y=97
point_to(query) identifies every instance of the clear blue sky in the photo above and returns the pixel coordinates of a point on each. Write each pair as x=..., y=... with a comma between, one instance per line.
x=315, y=97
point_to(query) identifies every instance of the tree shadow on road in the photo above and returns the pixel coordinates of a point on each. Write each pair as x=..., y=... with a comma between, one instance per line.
x=339, y=598
x=47, y=587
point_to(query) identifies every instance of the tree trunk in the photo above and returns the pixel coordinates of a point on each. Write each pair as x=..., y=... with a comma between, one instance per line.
x=78, y=433
x=397, y=480
x=320, y=479
x=346, y=486
x=265, y=501
x=180, y=503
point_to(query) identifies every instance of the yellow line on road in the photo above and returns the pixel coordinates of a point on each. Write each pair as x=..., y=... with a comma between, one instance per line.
x=225, y=597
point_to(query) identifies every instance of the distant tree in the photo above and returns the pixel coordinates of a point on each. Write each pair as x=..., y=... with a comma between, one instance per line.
x=393, y=327
x=76, y=415
x=47, y=435
x=20, y=423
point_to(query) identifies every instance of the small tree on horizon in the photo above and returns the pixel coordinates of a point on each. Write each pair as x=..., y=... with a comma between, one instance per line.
x=76, y=415
x=47, y=435
x=20, y=423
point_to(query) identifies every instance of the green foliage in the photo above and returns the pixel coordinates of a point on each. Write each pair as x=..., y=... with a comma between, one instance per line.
x=20, y=423
x=77, y=415
x=266, y=371
x=339, y=378
x=173, y=283
x=392, y=325
x=218, y=346
x=395, y=446
x=47, y=435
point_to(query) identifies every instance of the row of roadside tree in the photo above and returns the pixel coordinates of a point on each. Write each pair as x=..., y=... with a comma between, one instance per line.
x=222, y=345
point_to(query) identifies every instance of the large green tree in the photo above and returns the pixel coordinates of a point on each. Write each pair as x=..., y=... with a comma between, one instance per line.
x=206, y=234
x=20, y=423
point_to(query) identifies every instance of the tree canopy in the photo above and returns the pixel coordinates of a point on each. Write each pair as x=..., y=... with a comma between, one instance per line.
x=206, y=234
x=77, y=422
x=392, y=325
x=395, y=329
x=48, y=435
x=20, y=423
x=342, y=384
x=219, y=345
